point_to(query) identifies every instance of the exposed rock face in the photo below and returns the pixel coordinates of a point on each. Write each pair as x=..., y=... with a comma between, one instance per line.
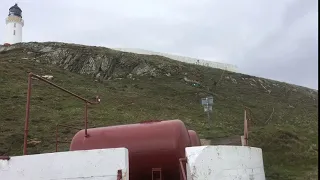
x=105, y=64
x=101, y=63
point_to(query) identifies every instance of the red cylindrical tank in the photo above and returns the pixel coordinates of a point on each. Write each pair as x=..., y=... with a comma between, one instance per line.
x=195, y=140
x=150, y=144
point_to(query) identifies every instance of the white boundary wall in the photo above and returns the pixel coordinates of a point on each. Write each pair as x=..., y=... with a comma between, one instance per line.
x=224, y=163
x=102, y=164
x=228, y=67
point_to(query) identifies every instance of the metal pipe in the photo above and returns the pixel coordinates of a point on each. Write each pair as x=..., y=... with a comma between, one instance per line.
x=57, y=132
x=26, y=124
x=63, y=141
x=4, y=158
x=65, y=90
x=182, y=168
x=61, y=125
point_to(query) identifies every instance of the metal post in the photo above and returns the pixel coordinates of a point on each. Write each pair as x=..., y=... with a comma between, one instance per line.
x=208, y=112
x=245, y=128
x=207, y=103
x=86, y=120
x=26, y=124
x=57, y=138
x=182, y=167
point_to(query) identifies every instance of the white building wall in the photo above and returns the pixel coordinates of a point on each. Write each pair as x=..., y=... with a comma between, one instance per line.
x=102, y=164
x=224, y=163
x=13, y=32
x=224, y=66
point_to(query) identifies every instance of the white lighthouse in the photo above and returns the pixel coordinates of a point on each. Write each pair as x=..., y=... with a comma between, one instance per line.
x=14, y=24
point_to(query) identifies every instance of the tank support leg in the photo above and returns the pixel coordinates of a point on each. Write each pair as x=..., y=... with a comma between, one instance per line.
x=182, y=162
x=119, y=174
x=156, y=174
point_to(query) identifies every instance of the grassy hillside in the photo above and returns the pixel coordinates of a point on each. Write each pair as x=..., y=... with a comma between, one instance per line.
x=284, y=117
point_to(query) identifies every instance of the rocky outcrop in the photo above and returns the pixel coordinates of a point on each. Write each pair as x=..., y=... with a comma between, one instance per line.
x=101, y=63
x=105, y=64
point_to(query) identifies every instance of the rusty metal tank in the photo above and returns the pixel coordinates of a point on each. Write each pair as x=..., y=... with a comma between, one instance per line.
x=151, y=145
x=195, y=140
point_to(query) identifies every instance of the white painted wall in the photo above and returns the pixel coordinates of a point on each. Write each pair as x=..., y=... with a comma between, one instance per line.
x=101, y=164
x=13, y=30
x=204, y=163
x=224, y=163
x=224, y=66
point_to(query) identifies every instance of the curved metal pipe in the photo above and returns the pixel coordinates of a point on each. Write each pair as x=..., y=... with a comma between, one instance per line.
x=26, y=125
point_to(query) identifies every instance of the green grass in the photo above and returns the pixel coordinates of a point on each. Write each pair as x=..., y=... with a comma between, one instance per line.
x=289, y=140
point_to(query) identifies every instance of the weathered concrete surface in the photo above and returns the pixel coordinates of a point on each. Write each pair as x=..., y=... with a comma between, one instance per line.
x=225, y=163
x=101, y=164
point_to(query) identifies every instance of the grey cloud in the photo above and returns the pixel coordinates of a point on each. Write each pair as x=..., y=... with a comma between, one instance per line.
x=268, y=38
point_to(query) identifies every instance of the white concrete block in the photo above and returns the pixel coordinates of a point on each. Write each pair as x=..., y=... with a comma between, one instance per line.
x=224, y=163
x=90, y=165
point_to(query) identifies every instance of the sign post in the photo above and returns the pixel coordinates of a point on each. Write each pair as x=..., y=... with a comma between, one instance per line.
x=207, y=103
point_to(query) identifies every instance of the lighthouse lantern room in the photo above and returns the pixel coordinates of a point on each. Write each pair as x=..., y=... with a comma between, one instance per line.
x=14, y=24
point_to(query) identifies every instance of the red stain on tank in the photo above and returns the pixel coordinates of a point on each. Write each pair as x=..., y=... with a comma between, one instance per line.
x=152, y=144
x=195, y=140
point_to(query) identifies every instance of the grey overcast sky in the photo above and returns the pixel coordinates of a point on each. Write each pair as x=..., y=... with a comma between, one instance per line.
x=276, y=39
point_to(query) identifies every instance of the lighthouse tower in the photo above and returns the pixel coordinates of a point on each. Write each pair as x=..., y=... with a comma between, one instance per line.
x=14, y=24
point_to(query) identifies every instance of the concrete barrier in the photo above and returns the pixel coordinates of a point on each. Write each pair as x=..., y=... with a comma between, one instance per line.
x=224, y=163
x=102, y=164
